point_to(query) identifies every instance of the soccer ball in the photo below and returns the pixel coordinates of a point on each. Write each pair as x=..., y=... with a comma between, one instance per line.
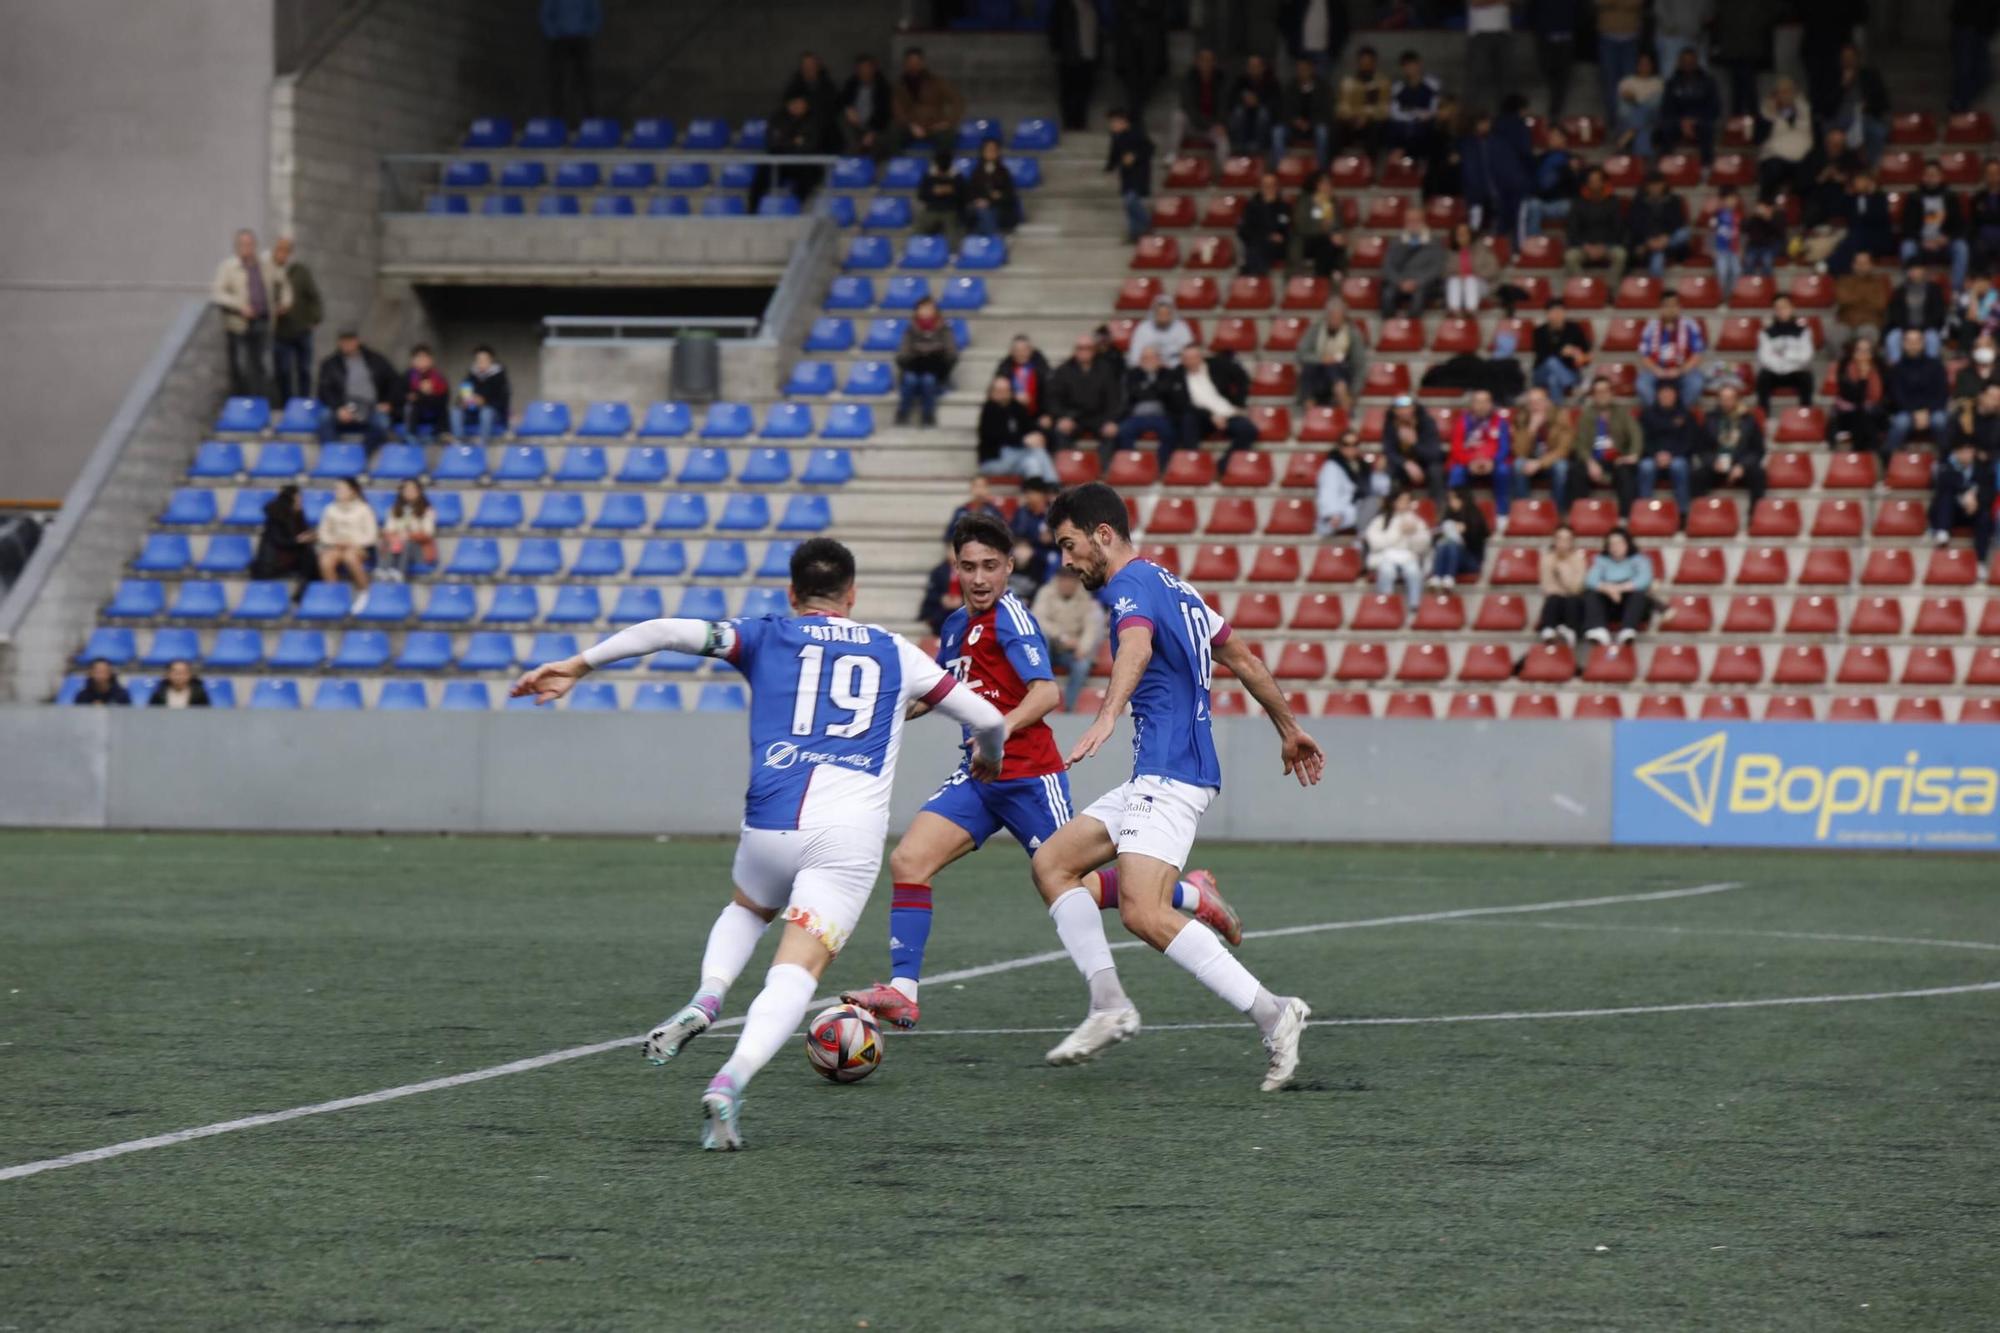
x=844, y=1043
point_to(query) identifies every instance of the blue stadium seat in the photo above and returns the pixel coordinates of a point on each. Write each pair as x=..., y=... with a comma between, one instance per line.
x=576, y=604
x=724, y=206
x=450, y=509
x=787, y=421
x=501, y=206
x=280, y=694
x=222, y=694
x=593, y=696
x=597, y=132
x=867, y=254
x=279, y=460
x=763, y=602
x=828, y=467
x=884, y=335
x=403, y=696
x=523, y=176
x=325, y=601
x=361, y=650
x=235, y=650
x=300, y=417
x=512, y=602
x=199, y=599
x=806, y=513
x=299, y=650
x=972, y=133
x=338, y=696
x=703, y=603
x=829, y=334
x=266, y=599
x=606, y=421
x=767, y=467
x=397, y=462
x=651, y=133
x=612, y=206
x=543, y=418
x=643, y=466
x=558, y=206
x=1034, y=135
x=667, y=206
x=583, y=463
x=442, y=205
x=961, y=332
x=926, y=252
x=689, y=176
x=705, y=134
x=163, y=553
x=490, y=132
x=487, y=650
x=227, y=553
x=725, y=421
x=662, y=558
x=849, y=421
x=112, y=643
x=544, y=132
x=676, y=662
x=657, y=697
x=902, y=173
x=499, y=509
x=548, y=647
x=467, y=175
x=666, y=421
x=744, y=513
x=777, y=560
x=244, y=415
x=839, y=208
x=192, y=506
x=175, y=645
x=342, y=458
x=754, y=136
x=870, y=377
x=982, y=252
x=448, y=602
x=811, y=378
x=534, y=558
x=853, y=173
x=424, y=650
x=465, y=696
x=685, y=513
x=598, y=557
x=850, y=293
x=723, y=558
x=137, y=598
x=963, y=294
x=1027, y=172
x=633, y=176
x=719, y=698
x=459, y=462
x=961, y=166
x=635, y=604
x=778, y=206
x=887, y=212
x=560, y=511
x=217, y=458
x=313, y=502
x=388, y=604
x=903, y=293
x=622, y=511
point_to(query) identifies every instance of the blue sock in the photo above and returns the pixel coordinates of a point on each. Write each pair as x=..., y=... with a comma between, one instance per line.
x=909, y=930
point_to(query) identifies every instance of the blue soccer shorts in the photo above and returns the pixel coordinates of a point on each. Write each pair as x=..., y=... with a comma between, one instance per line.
x=1029, y=808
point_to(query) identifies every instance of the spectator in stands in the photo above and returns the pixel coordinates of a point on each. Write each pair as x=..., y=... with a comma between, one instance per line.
x=1743, y=47
x=1139, y=34
x=1619, y=28
x=410, y=533
x=1166, y=332
x=1934, y=227
x=1209, y=408
x=1492, y=178
x=1861, y=301
x=1470, y=267
x=1596, y=229
x=978, y=504
x=1658, y=226
x=1009, y=444
x=1976, y=312
x=1639, y=95
x=1786, y=122
x=1482, y=450
x=1414, y=101
x=924, y=360
x=179, y=688
x=1962, y=494
x=1332, y=356
x=1131, y=156
x=1918, y=306
x=925, y=106
x=249, y=289
x=1860, y=398
x=1443, y=163
x=1555, y=24
x=1488, y=25
x=284, y=546
x=1028, y=371
x=1973, y=23
x=1363, y=106
x=1978, y=420
x=1319, y=237
x=1314, y=31
x=1026, y=579
x=1725, y=240
x=1734, y=447
x=993, y=204
x=1204, y=105
x=1607, y=447
x=1544, y=439
x=101, y=686
x=941, y=595
x=1458, y=547
x=1085, y=397
x=1763, y=238
x=1030, y=524
x=1870, y=229
x=1678, y=26
x=1562, y=572
x=865, y=110
x=1825, y=178
x=1155, y=403
x=570, y=27
x=357, y=386
x=1561, y=352
x=1350, y=489
x=1690, y=105
x=1918, y=393
x=426, y=395
x=795, y=128
x=1862, y=108
x=941, y=199
x=1670, y=351
x=1415, y=450
x=1413, y=270
x=1552, y=183
x=1615, y=589
x=1397, y=545
x=1072, y=622
x=346, y=536
x=1266, y=229
x=1983, y=214
x=1980, y=373
x=812, y=82
x=1076, y=38
x=1784, y=356
x=298, y=315
x=1673, y=442
x=485, y=399
x=1307, y=116
x=1254, y=104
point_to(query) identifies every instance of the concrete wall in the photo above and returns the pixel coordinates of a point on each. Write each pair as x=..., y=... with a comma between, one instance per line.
x=132, y=142
x=583, y=251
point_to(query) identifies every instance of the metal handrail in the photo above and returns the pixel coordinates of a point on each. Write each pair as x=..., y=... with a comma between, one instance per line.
x=600, y=328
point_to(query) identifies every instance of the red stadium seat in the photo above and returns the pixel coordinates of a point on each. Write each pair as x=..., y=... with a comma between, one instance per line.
x=1732, y=170
x=1688, y=613
x=1362, y=661
x=1240, y=172
x=1863, y=664
x=1531, y=518
x=1197, y=294
x=1301, y=661
x=1802, y=425
x=1335, y=564
x=1228, y=703
x=1234, y=334
x=1662, y=707
x=1187, y=173
x=1076, y=466
x=1702, y=566
x=1249, y=468
x=1400, y=336
x=1378, y=613
x=1275, y=564
x=1472, y=706
x=1951, y=567
x=1322, y=425
x=1775, y=517
x=1138, y=294
x=1749, y=614
x=1761, y=565
x=1455, y=335
x=1347, y=703
x=1386, y=379
x=1837, y=519
x=1968, y=127
x=1725, y=708
x=1598, y=706
x=1285, y=334
x=1654, y=518
x=1216, y=564
x=1788, y=470
x=1352, y=171
x=1294, y=170
x=1172, y=516
x=1827, y=567
x=1190, y=467
x=1444, y=212
x=1274, y=426
x=1486, y=662
x=1682, y=170
x=1248, y=293
x=1540, y=252
x=1909, y=709
x=1621, y=334
x=1585, y=293
x=1941, y=616
x=1638, y=292
x=1548, y=664
x=1912, y=127
x=1173, y=210
x=1876, y=615
x=1930, y=666
x=1411, y=706
x=1516, y=565
x=1813, y=615
x=1737, y=664
x=1231, y=517
x=1533, y=707
x=1910, y=471
x=1699, y=291
x=1501, y=613
x=1223, y=212
x=1306, y=293
x=1257, y=611
x=1753, y=292
x=1423, y=664
x=1367, y=252
x=1167, y=557
x=1317, y=611
x=1274, y=379
x=1899, y=168
x=1960, y=167
x=1133, y=468
x=1853, y=708
x=1673, y=664
x=1980, y=708
x=1291, y=518
x=1898, y=518
x=1384, y=212
x=1156, y=252
x=1888, y=567
x=1713, y=516
x=1739, y=334
x=1800, y=664
x=1790, y=708
x=1624, y=171
x=1614, y=664
x=1301, y=472
x=1592, y=517
x=1211, y=253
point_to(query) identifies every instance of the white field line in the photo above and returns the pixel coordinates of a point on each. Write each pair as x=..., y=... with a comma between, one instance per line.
x=548, y=1058
x=1818, y=935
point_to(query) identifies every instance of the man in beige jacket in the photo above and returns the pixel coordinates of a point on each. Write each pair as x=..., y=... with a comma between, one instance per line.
x=251, y=292
x=1072, y=622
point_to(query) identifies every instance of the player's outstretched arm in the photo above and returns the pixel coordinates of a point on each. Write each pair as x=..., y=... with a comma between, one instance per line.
x=1135, y=651
x=552, y=680
x=989, y=729
x=1303, y=758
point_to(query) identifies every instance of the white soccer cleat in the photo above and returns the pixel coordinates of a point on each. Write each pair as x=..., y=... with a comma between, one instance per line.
x=671, y=1037
x=1283, y=1045
x=721, y=1114
x=1101, y=1028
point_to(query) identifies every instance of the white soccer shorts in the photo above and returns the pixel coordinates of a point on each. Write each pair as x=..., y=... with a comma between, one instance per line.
x=1153, y=816
x=819, y=877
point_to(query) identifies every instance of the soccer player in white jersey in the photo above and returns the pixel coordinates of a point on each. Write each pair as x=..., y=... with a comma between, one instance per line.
x=826, y=719
x=1165, y=643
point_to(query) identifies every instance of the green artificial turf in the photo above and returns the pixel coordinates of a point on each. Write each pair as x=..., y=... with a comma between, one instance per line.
x=1823, y=1166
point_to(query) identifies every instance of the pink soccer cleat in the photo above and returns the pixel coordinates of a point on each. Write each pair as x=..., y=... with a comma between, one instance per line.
x=887, y=1004
x=1214, y=910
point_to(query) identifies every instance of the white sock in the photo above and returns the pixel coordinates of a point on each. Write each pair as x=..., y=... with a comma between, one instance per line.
x=1201, y=951
x=731, y=941
x=1187, y=897
x=907, y=986
x=774, y=1016
x=1080, y=925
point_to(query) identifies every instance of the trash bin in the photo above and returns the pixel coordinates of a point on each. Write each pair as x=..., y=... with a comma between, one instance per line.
x=697, y=367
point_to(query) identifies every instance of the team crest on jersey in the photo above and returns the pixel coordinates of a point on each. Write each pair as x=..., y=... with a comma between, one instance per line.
x=973, y=637
x=1124, y=606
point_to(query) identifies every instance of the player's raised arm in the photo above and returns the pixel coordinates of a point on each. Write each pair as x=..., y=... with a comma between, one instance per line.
x=1302, y=755
x=552, y=680
x=1135, y=651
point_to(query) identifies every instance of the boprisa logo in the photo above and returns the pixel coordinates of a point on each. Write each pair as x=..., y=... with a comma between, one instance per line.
x=1693, y=777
